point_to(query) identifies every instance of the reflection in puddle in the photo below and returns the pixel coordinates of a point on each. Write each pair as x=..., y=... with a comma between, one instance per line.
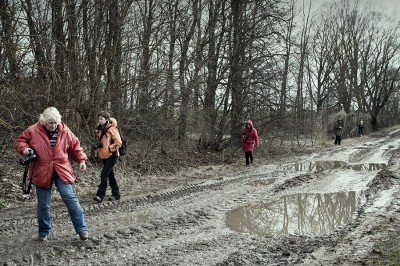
x=299, y=214
x=328, y=165
x=367, y=166
x=299, y=167
x=261, y=182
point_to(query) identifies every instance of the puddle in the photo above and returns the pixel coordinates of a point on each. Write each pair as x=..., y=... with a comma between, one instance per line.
x=299, y=167
x=367, y=166
x=329, y=165
x=261, y=182
x=299, y=214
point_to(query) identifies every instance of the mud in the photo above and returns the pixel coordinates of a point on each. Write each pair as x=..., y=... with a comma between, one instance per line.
x=332, y=207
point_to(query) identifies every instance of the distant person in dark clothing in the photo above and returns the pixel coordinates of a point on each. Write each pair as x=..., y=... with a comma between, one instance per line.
x=361, y=129
x=250, y=138
x=338, y=132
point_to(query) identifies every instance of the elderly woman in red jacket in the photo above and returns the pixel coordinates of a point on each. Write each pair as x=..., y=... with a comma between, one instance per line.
x=54, y=144
x=250, y=138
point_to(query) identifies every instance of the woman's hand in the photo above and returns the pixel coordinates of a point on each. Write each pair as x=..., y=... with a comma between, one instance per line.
x=27, y=151
x=82, y=166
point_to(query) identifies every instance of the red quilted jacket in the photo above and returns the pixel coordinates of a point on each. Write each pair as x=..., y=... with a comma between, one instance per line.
x=250, y=137
x=47, y=159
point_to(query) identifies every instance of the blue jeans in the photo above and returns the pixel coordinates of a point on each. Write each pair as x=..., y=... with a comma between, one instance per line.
x=74, y=208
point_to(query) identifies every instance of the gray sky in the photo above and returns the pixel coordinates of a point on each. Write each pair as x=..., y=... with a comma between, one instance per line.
x=388, y=6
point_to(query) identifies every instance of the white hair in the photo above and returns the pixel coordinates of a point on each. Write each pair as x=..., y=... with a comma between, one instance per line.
x=50, y=114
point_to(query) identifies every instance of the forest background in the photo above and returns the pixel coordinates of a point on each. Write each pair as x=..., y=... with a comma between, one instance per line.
x=184, y=75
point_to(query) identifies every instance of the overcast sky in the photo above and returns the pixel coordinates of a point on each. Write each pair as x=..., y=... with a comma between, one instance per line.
x=390, y=7
x=390, y=3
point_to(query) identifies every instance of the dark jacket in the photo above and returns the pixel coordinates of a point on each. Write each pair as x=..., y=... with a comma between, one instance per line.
x=338, y=129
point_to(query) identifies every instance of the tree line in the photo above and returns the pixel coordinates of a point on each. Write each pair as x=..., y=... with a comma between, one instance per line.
x=170, y=70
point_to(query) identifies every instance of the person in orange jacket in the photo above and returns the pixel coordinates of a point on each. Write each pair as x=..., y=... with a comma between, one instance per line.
x=48, y=146
x=108, y=143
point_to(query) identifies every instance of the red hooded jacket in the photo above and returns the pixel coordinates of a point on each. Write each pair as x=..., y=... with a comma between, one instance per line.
x=250, y=137
x=51, y=159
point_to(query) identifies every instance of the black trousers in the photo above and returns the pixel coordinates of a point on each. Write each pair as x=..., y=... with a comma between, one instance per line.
x=249, y=157
x=107, y=176
x=338, y=139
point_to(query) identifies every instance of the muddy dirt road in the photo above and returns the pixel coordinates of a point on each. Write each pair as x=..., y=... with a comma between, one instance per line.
x=326, y=208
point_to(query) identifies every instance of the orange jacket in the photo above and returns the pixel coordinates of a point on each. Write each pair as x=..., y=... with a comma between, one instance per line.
x=111, y=140
x=51, y=159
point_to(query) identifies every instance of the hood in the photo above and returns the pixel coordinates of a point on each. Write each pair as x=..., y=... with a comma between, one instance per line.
x=113, y=122
x=249, y=122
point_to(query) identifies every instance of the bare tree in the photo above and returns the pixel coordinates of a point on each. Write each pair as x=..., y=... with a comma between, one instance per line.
x=173, y=10
x=37, y=41
x=237, y=68
x=185, y=90
x=382, y=70
x=147, y=15
x=304, y=43
x=323, y=62
x=216, y=20
x=8, y=49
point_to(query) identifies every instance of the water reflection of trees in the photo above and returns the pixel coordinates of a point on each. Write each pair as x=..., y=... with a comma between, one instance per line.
x=328, y=165
x=367, y=166
x=303, y=214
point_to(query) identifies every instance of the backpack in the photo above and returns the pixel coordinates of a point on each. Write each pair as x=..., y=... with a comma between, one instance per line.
x=122, y=149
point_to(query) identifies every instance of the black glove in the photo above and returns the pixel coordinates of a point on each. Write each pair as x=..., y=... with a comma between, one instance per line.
x=97, y=145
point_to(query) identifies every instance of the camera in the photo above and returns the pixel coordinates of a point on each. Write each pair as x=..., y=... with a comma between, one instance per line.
x=27, y=158
x=97, y=145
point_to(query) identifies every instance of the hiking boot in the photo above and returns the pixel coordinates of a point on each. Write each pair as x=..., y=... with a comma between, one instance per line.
x=97, y=198
x=42, y=238
x=84, y=235
x=113, y=198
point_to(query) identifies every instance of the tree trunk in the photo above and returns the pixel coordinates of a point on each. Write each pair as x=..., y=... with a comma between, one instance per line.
x=237, y=69
x=185, y=90
x=10, y=48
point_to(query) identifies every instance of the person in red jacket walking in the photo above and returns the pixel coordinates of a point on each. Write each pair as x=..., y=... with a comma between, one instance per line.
x=53, y=144
x=250, y=138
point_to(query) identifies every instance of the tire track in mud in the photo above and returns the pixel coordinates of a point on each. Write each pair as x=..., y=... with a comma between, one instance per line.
x=134, y=243
x=169, y=197
x=286, y=250
x=25, y=221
